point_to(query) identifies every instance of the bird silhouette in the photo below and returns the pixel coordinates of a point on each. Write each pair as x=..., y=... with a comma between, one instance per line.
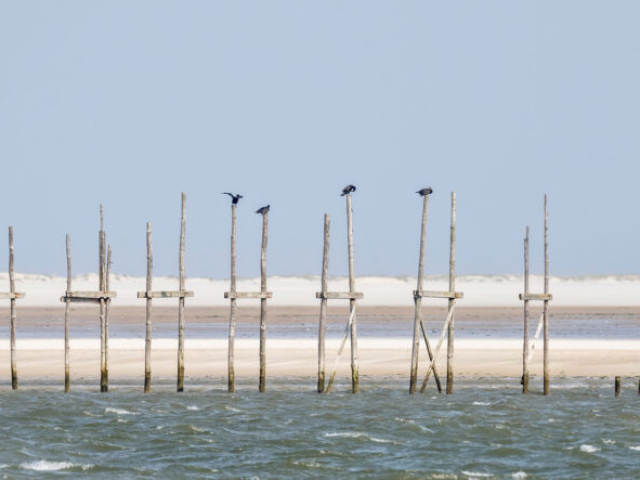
x=425, y=191
x=264, y=210
x=234, y=198
x=347, y=190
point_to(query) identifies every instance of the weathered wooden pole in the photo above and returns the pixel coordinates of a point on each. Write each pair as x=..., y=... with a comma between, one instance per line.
x=525, y=348
x=67, y=305
x=352, y=301
x=263, y=300
x=183, y=220
x=149, y=289
x=104, y=386
x=545, y=310
x=232, y=315
x=12, y=289
x=452, y=288
x=618, y=382
x=323, y=304
x=106, y=317
x=413, y=380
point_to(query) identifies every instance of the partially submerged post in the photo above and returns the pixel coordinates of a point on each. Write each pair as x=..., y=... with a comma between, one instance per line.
x=233, y=295
x=351, y=295
x=12, y=295
x=323, y=304
x=418, y=324
x=543, y=323
x=102, y=296
x=451, y=295
x=618, y=382
x=180, y=294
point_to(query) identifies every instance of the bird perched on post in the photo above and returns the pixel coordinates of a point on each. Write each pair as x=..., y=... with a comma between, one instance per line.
x=263, y=210
x=425, y=191
x=234, y=198
x=347, y=190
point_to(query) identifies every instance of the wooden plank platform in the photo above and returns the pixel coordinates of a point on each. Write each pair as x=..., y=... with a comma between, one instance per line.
x=437, y=294
x=233, y=295
x=89, y=295
x=340, y=295
x=11, y=295
x=166, y=294
x=535, y=296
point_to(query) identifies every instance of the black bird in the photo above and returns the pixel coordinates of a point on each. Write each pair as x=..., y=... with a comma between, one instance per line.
x=347, y=190
x=263, y=210
x=425, y=191
x=234, y=198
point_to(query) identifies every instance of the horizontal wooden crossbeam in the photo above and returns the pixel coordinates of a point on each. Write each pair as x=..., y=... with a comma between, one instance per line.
x=339, y=295
x=232, y=295
x=536, y=296
x=11, y=295
x=435, y=294
x=91, y=295
x=166, y=294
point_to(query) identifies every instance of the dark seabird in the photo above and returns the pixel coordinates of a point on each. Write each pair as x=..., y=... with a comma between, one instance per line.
x=347, y=190
x=425, y=191
x=263, y=210
x=234, y=198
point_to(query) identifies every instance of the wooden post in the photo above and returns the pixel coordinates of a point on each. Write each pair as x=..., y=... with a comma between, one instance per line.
x=525, y=348
x=413, y=379
x=617, y=386
x=232, y=315
x=323, y=304
x=67, y=305
x=106, y=317
x=545, y=310
x=452, y=288
x=12, y=289
x=147, y=340
x=181, y=299
x=103, y=304
x=352, y=301
x=263, y=301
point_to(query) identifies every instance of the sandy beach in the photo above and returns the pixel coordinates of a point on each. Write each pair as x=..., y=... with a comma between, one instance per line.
x=585, y=341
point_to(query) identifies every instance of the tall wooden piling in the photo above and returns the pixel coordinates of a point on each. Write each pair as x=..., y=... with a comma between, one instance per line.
x=67, y=306
x=106, y=316
x=525, y=349
x=232, y=314
x=263, y=301
x=352, y=301
x=149, y=300
x=183, y=220
x=323, y=304
x=545, y=311
x=417, y=321
x=12, y=290
x=104, y=387
x=452, y=288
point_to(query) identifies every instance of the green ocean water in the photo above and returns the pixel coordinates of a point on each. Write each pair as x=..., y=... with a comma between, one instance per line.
x=486, y=429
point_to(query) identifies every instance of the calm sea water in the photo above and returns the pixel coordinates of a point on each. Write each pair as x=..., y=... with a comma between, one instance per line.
x=485, y=429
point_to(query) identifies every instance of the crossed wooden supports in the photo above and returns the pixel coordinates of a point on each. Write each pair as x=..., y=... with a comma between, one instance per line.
x=180, y=294
x=233, y=295
x=102, y=296
x=12, y=295
x=351, y=295
x=419, y=294
x=543, y=323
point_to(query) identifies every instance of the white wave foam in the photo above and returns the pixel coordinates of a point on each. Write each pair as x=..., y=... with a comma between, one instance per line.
x=46, y=466
x=476, y=474
x=193, y=408
x=636, y=448
x=484, y=404
x=118, y=411
x=519, y=475
x=589, y=448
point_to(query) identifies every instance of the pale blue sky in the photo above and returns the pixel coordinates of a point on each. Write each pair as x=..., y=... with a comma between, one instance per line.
x=129, y=103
